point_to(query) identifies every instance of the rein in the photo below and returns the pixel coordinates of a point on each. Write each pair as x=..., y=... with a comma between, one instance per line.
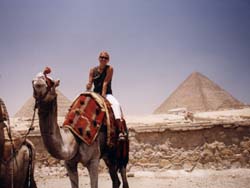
x=49, y=83
x=15, y=150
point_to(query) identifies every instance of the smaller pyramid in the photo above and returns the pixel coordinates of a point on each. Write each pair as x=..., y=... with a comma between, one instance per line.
x=199, y=93
x=26, y=110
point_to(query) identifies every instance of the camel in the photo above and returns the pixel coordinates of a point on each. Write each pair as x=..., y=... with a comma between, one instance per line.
x=62, y=144
x=17, y=157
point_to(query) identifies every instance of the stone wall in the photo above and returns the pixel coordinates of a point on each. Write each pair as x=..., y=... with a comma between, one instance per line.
x=162, y=147
x=214, y=146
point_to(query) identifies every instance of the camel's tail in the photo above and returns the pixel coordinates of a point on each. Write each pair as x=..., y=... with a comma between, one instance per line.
x=30, y=181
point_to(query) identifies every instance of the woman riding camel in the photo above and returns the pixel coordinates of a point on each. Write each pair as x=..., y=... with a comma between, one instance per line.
x=101, y=76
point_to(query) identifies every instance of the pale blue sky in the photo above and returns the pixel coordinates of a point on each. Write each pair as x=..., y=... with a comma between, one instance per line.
x=154, y=45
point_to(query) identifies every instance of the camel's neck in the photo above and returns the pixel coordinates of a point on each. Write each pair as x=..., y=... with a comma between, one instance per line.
x=60, y=143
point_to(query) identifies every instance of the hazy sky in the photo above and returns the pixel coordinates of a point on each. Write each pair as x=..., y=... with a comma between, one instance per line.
x=154, y=45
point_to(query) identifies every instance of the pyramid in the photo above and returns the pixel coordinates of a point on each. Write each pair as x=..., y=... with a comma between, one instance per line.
x=199, y=93
x=26, y=110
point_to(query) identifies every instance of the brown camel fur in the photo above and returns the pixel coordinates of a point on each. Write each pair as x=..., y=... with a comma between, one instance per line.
x=1, y=140
x=16, y=158
x=62, y=144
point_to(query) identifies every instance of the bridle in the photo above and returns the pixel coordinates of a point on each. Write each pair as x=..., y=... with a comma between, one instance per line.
x=50, y=84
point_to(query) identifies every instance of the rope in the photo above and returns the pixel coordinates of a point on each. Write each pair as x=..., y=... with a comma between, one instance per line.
x=14, y=151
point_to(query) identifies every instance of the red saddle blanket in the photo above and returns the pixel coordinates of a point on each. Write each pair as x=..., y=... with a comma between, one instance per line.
x=87, y=114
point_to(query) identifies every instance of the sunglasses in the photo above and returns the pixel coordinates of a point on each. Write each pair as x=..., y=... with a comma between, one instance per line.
x=104, y=57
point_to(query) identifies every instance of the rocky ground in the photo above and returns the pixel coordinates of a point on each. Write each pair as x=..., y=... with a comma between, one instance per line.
x=240, y=178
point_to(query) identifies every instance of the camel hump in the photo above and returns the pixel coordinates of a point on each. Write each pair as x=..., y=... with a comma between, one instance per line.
x=15, y=142
x=87, y=114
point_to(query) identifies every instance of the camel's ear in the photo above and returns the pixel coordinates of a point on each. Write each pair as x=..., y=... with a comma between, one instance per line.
x=57, y=83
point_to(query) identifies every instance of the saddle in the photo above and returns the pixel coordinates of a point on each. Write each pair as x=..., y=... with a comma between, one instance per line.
x=87, y=115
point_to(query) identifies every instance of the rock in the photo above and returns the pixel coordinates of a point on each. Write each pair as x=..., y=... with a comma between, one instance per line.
x=199, y=166
x=158, y=155
x=138, y=155
x=240, y=129
x=226, y=164
x=147, y=146
x=130, y=175
x=194, y=156
x=235, y=148
x=236, y=165
x=143, y=161
x=188, y=166
x=237, y=156
x=235, y=140
x=226, y=153
x=245, y=145
x=164, y=163
x=135, y=146
x=217, y=156
x=61, y=162
x=207, y=156
x=156, y=148
x=220, y=146
x=131, y=157
x=164, y=148
x=148, y=151
x=246, y=153
x=245, y=138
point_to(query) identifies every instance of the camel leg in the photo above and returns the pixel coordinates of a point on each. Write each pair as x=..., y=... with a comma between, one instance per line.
x=114, y=176
x=31, y=166
x=30, y=183
x=124, y=177
x=71, y=168
x=33, y=183
x=113, y=173
x=93, y=172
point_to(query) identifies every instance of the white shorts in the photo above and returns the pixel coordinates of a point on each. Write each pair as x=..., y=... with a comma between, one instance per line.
x=115, y=106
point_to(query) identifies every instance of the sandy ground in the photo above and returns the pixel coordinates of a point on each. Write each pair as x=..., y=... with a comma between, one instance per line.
x=233, y=178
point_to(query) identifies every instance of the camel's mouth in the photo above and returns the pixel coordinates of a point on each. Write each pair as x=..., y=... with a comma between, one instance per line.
x=39, y=85
x=44, y=87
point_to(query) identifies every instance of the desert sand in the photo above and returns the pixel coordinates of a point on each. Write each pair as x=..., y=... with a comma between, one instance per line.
x=232, y=178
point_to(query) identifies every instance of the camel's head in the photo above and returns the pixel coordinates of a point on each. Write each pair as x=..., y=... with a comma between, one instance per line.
x=44, y=86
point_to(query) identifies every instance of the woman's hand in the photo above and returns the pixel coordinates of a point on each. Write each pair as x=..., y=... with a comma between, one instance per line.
x=88, y=86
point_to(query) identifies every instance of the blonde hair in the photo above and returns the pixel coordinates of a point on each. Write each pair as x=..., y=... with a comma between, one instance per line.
x=104, y=53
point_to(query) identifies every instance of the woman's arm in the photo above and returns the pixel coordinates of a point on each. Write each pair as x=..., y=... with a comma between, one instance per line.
x=89, y=84
x=107, y=80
